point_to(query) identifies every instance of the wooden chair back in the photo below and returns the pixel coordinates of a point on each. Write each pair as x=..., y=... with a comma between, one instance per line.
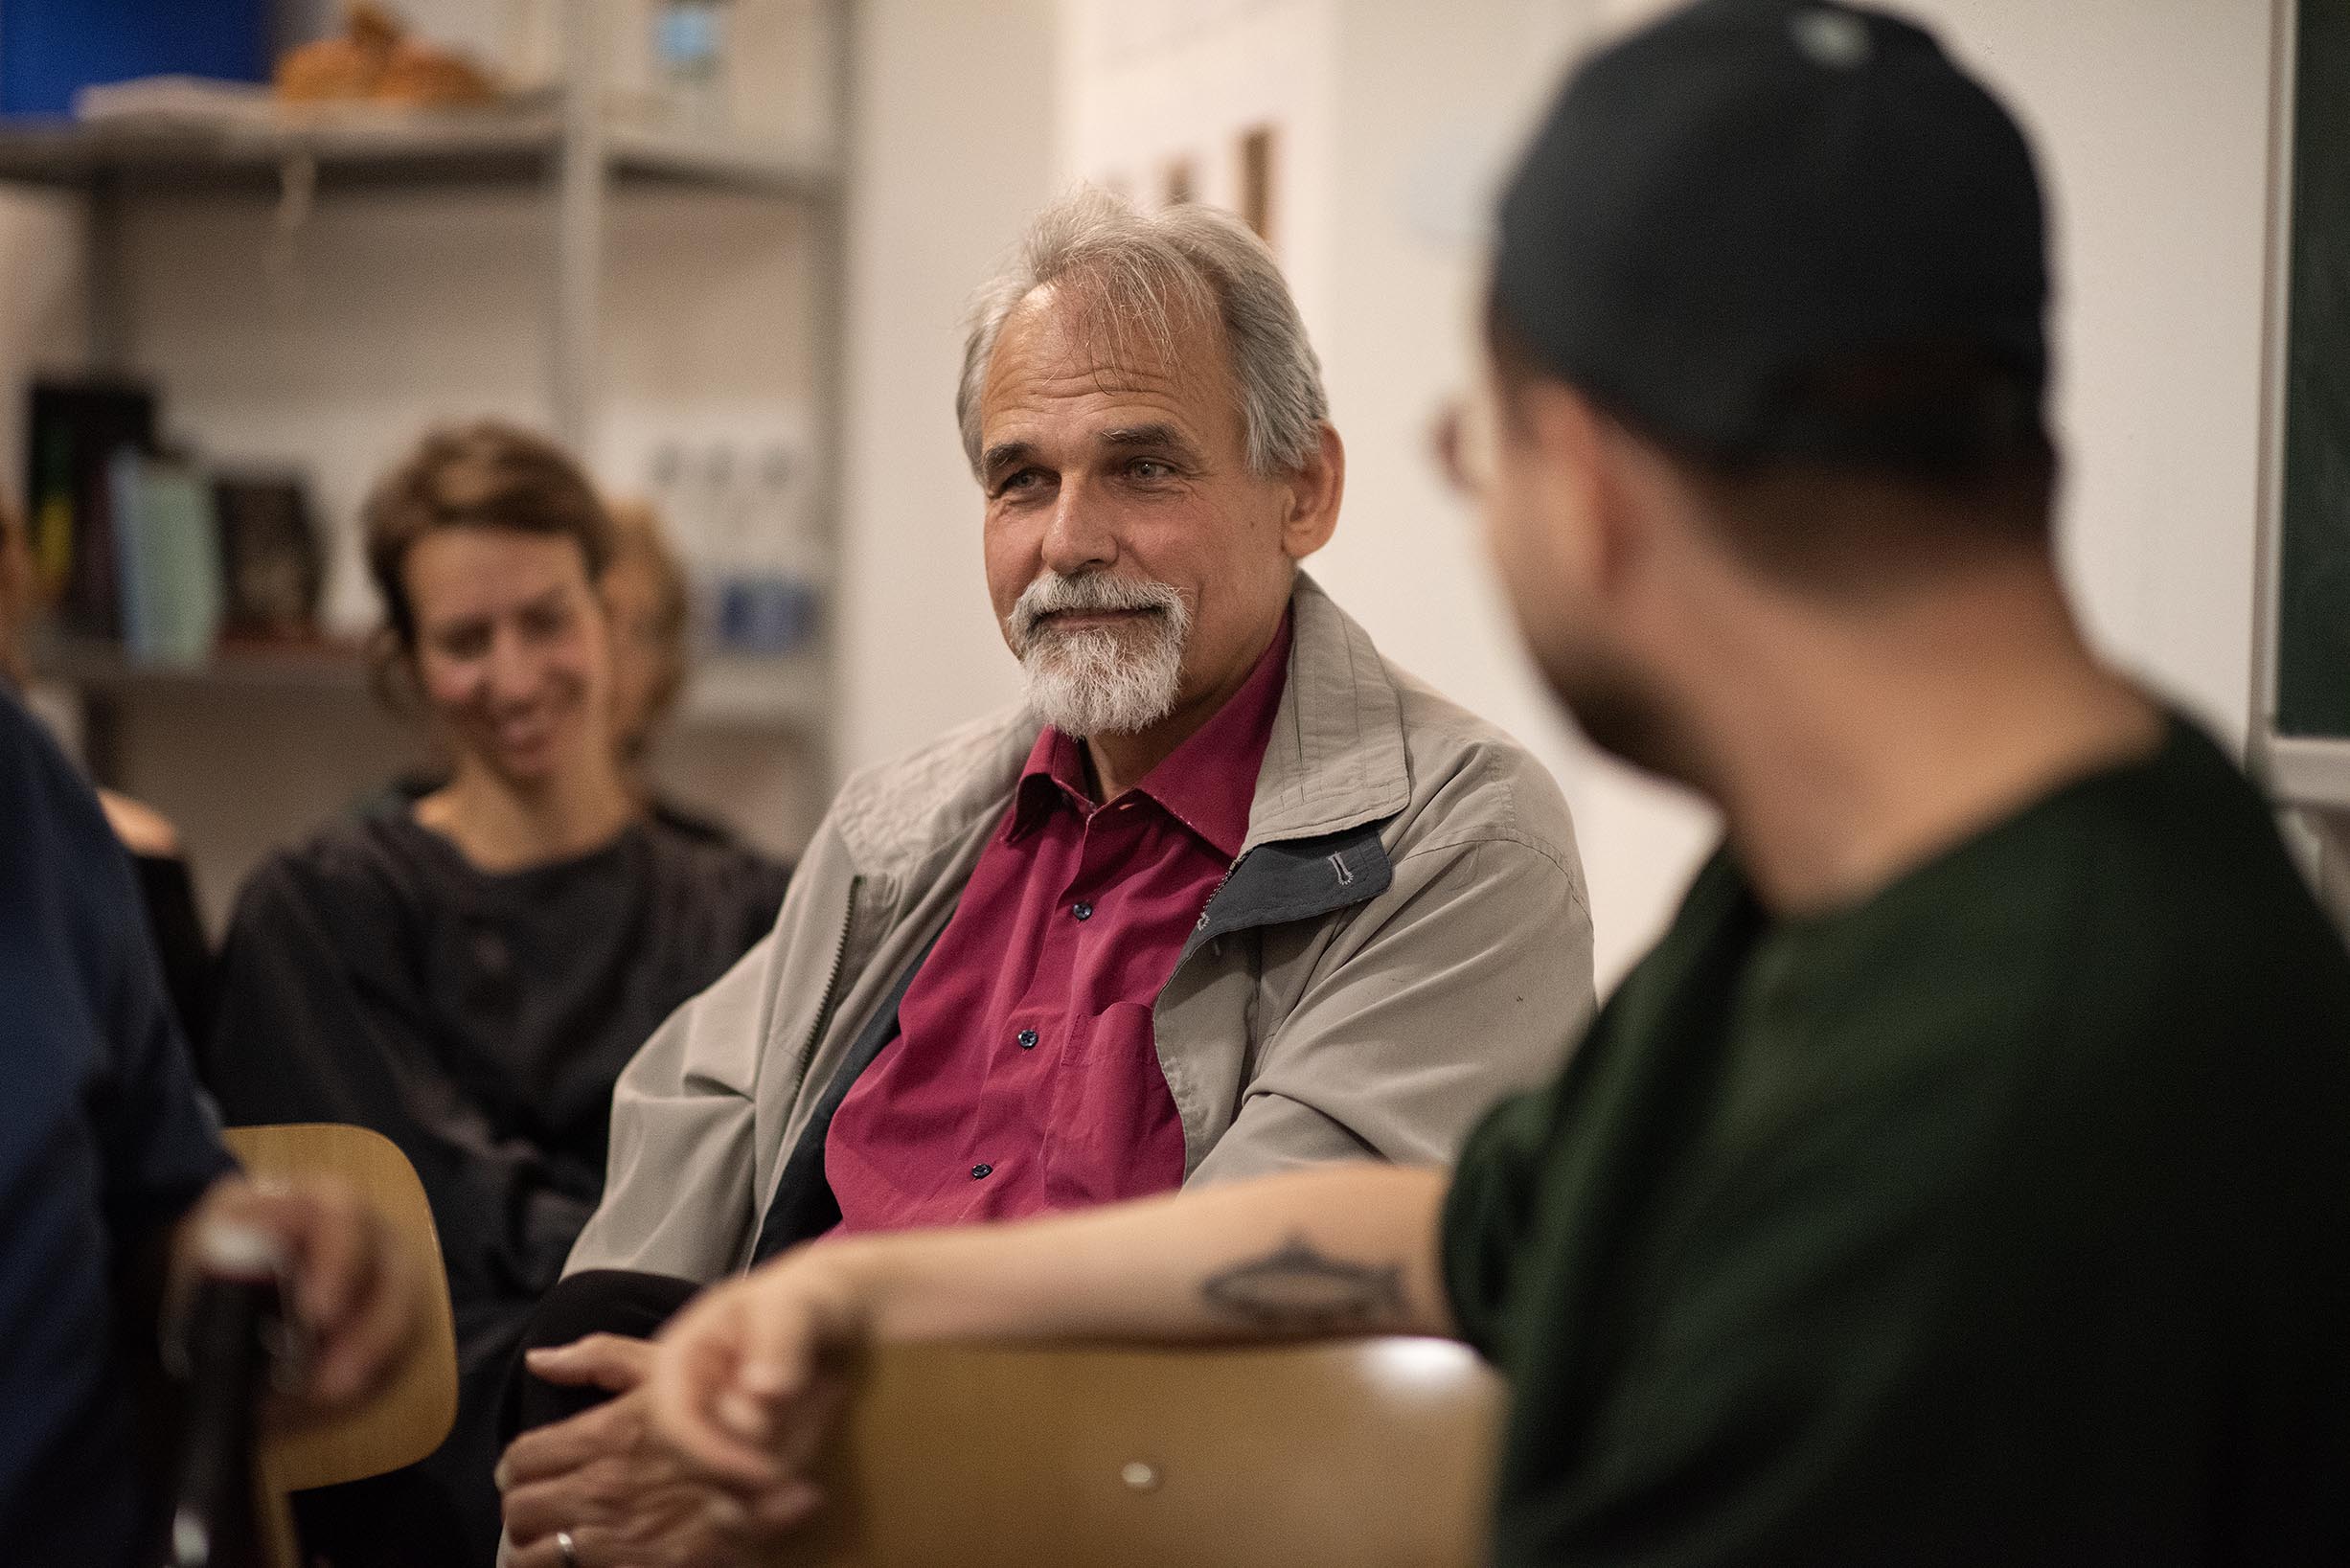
x=408, y=1417
x=1371, y=1453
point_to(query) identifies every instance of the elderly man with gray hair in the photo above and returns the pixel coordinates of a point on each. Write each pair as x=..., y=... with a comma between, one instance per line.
x=1229, y=894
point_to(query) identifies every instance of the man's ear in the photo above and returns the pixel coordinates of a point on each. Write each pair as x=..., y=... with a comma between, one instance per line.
x=1316, y=490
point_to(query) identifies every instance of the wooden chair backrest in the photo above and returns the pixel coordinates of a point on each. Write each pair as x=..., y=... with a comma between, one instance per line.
x=408, y=1419
x=1352, y=1454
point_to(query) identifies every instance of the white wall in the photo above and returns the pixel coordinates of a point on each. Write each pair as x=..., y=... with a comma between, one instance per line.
x=1432, y=104
x=952, y=150
x=1150, y=83
x=2152, y=120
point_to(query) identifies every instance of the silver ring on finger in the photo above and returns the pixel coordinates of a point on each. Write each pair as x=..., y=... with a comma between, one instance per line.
x=567, y=1548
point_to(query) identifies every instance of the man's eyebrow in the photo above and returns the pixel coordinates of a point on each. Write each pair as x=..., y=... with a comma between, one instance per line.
x=1145, y=435
x=1004, y=453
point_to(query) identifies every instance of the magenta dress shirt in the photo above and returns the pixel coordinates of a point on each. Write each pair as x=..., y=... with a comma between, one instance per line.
x=1025, y=1075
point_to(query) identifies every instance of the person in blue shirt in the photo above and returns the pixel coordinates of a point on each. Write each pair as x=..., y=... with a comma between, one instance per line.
x=111, y=1167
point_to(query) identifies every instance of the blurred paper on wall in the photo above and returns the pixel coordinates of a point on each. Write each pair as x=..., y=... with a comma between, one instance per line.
x=1228, y=104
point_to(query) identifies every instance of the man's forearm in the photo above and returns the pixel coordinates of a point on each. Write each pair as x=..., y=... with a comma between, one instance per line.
x=1340, y=1249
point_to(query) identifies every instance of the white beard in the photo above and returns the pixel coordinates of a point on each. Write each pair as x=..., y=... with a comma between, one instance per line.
x=1101, y=680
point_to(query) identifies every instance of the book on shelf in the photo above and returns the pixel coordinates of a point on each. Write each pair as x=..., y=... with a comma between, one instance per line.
x=155, y=553
x=74, y=427
x=272, y=571
x=168, y=552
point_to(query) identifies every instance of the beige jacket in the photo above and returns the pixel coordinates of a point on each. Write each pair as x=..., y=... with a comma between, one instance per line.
x=1404, y=940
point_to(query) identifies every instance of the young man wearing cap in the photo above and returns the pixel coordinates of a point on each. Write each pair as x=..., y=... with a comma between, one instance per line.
x=1963, y=1178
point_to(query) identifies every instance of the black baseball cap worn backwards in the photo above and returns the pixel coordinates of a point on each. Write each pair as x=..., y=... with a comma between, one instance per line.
x=1748, y=190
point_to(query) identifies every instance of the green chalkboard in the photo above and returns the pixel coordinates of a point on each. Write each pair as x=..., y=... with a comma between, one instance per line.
x=2312, y=606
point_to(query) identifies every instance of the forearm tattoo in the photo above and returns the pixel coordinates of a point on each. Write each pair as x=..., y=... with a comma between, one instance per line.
x=1296, y=1289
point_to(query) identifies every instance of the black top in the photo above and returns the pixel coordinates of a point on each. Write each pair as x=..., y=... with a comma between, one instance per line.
x=373, y=975
x=104, y=1142
x=479, y=1020
x=398, y=796
x=2001, y=1218
x=167, y=888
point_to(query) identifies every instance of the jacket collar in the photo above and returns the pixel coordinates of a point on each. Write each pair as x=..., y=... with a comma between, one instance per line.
x=1336, y=760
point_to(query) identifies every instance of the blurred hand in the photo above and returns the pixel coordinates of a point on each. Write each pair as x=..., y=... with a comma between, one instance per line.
x=624, y=1496
x=740, y=1384
x=352, y=1289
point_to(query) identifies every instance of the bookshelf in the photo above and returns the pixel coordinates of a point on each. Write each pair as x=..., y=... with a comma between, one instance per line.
x=757, y=730
x=562, y=141
x=102, y=670
x=515, y=144
x=558, y=147
x=739, y=692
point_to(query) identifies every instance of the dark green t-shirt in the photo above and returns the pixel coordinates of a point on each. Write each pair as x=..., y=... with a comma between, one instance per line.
x=2004, y=1218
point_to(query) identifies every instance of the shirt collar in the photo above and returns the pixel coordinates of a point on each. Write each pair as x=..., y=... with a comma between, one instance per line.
x=1208, y=783
x=1055, y=775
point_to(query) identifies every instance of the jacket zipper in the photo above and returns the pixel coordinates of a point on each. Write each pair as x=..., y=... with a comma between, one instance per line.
x=807, y=1054
x=1203, y=923
x=832, y=980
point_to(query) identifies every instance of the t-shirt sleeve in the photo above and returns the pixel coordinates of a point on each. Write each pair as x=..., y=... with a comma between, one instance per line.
x=319, y=1017
x=1485, y=1212
x=166, y=886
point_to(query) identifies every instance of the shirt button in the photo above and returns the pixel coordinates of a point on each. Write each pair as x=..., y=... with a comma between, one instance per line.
x=980, y=1172
x=1084, y=912
x=1028, y=1039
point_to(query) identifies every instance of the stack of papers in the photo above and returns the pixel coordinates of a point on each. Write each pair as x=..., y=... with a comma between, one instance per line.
x=176, y=101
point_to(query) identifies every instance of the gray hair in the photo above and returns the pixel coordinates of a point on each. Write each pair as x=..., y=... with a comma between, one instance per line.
x=1146, y=272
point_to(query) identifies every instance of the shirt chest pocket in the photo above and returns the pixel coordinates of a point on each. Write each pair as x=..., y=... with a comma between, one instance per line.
x=1120, y=1032
x=1114, y=1131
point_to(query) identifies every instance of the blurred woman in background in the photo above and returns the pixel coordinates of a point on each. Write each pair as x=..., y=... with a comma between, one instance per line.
x=646, y=600
x=468, y=974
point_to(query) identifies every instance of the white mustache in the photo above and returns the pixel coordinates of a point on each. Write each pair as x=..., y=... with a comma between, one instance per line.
x=1093, y=593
